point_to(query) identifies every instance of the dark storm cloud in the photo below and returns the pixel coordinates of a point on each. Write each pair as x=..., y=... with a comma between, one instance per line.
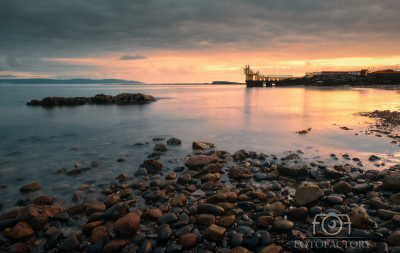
x=82, y=28
x=130, y=57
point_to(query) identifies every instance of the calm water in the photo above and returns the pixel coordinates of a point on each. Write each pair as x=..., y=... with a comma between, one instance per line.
x=232, y=117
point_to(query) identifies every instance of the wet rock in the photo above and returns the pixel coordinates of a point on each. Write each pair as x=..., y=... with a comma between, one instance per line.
x=96, y=247
x=394, y=238
x=74, y=172
x=202, y=145
x=378, y=204
x=164, y=234
x=87, y=228
x=211, y=209
x=238, y=172
x=386, y=214
x=21, y=231
x=208, y=185
x=374, y=158
x=214, y=233
x=358, y=219
x=272, y=175
x=77, y=209
x=342, y=187
x=396, y=219
x=43, y=200
x=264, y=221
x=151, y=166
x=112, y=200
x=253, y=240
x=96, y=207
x=51, y=231
x=122, y=178
x=63, y=217
x=127, y=225
x=11, y=213
x=153, y=214
x=70, y=244
x=277, y=208
x=160, y=146
x=293, y=167
x=392, y=180
x=31, y=187
x=206, y=219
x=395, y=198
x=39, y=222
x=282, y=225
x=171, y=176
x=226, y=221
x=116, y=211
x=174, y=141
x=246, y=205
x=10, y=223
x=145, y=247
x=188, y=241
x=100, y=234
x=167, y=218
x=334, y=200
x=52, y=241
x=331, y=172
x=31, y=211
x=19, y=248
x=200, y=161
x=179, y=200
x=307, y=193
x=363, y=188
x=184, y=179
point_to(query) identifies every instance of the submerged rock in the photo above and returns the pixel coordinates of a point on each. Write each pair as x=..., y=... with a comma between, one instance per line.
x=203, y=145
x=31, y=187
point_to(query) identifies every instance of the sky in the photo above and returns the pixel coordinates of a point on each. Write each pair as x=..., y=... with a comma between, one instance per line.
x=180, y=41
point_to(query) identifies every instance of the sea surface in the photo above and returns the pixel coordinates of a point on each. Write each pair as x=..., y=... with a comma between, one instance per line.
x=38, y=141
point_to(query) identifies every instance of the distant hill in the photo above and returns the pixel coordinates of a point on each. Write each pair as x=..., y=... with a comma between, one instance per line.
x=69, y=81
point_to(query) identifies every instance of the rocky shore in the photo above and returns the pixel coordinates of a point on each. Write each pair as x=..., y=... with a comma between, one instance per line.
x=387, y=123
x=123, y=98
x=215, y=201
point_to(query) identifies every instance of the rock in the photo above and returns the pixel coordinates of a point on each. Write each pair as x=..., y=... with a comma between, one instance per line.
x=226, y=221
x=239, y=249
x=374, y=158
x=38, y=223
x=307, y=193
x=200, y=161
x=252, y=240
x=74, y=172
x=297, y=213
x=238, y=172
x=167, y=218
x=179, y=200
x=358, y=219
x=392, y=180
x=396, y=219
x=378, y=204
x=394, y=238
x=10, y=223
x=264, y=221
x=293, y=167
x=171, y=176
x=214, y=233
x=211, y=209
x=100, y=234
x=282, y=225
x=160, y=146
x=122, y=178
x=277, y=208
x=153, y=214
x=342, y=187
x=70, y=244
x=19, y=248
x=206, y=219
x=114, y=246
x=219, y=197
x=386, y=214
x=335, y=200
x=363, y=188
x=237, y=240
x=96, y=207
x=395, y=198
x=174, y=141
x=43, y=200
x=21, y=231
x=77, y=209
x=88, y=227
x=330, y=172
x=31, y=187
x=271, y=249
x=11, y=213
x=127, y=225
x=272, y=175
x=188, y=241
x=164, y=234
x=31, y=211
x=63, y=217
x=202, y=145
x=112, y=200
x=116, y=211
x=151, y=166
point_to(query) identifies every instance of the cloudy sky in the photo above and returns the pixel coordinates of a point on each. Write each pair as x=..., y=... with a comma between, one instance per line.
x=167, y=41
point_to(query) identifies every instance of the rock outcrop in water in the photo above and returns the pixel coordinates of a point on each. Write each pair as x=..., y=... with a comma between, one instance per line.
x=123, y=98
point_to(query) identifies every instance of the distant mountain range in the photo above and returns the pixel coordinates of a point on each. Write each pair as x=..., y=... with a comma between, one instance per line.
x=69, y=81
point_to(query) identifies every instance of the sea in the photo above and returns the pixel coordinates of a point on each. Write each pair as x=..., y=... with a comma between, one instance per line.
x=37, y=141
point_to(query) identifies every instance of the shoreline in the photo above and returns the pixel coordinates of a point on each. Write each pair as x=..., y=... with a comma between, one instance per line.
x=216, y=202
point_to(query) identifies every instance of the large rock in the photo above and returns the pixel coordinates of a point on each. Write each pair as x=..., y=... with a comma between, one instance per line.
x=31, y=211
x=392, y=180
x=100, y=234
x=358, y=219
x=395, y=198
x=127, y=225
x=214, y=233
x=394, y=238
x=188, y=241
x=96, y=207
x=31, y=187
x=293, y=167
x=114, y=247
x=238, y=172
x=200, y=161
x=342, y=187
x=152, y=166
x=11, y=213
x=211, y=209
x=21, y=231
x=174, y=141
x=272, y=249
x=77, y=209
x=203, y=145
x=307, y=193
x=70, y=244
